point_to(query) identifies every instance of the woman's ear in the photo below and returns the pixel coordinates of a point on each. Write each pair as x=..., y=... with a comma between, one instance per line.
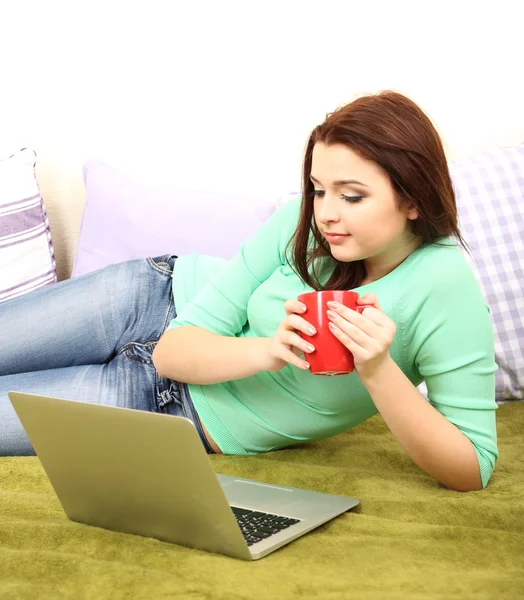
x=412, y=213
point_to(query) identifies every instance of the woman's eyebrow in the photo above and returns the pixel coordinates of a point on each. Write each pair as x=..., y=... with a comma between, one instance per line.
x=341, y=181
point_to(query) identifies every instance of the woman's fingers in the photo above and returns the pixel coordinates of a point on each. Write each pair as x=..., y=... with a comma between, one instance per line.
x=293, y=359
x=294, y=340
x=292, y=346
x=294, y=307
x=287, y=346
x=293, y=349
x=369, y=298
x=299, y=324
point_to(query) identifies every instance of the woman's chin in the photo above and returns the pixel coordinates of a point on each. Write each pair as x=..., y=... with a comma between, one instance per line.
x=344, y=254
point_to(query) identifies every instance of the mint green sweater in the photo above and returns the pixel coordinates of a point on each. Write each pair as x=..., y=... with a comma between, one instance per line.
x=444, y=336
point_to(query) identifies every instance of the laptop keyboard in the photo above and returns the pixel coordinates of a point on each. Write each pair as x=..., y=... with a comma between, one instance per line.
x=257, y=526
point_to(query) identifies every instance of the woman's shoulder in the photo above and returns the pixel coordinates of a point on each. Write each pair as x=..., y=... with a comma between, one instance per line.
x=441, y=263
x=289, y=211
x=284, y=223
x=440, y=280
x=441, y=294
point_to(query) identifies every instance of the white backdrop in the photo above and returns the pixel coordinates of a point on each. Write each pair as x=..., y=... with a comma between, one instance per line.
x=221, y=95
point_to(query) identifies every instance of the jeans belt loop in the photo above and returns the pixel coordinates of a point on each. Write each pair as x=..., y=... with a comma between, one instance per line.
x=166, y=398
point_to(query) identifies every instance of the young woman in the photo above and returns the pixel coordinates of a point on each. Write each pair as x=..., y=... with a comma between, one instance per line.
x=218, y=342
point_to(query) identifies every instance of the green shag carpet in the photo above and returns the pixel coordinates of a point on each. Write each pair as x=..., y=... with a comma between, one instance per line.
x=409, y=538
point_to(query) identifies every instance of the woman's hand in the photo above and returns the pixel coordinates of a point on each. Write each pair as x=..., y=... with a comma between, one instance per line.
x=286, y=346
x=368, y=336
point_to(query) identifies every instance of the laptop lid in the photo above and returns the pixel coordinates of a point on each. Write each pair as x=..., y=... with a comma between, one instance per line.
x=131, y=471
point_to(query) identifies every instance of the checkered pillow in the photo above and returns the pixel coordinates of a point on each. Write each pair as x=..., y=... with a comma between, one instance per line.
x=490, y=199
x=27, y=260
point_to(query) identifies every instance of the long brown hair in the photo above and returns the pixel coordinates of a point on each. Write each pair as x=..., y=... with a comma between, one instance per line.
x=394, y=132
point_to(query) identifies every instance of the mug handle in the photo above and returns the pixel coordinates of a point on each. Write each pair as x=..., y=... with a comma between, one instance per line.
x=361, y=307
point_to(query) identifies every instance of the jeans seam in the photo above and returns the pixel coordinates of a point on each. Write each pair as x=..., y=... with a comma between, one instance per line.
x=167, y=318
x=171, y=304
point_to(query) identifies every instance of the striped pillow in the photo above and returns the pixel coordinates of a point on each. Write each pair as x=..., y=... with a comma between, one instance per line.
x=27, y=259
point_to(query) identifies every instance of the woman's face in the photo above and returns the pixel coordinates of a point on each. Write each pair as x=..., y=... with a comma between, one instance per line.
x=354, y=198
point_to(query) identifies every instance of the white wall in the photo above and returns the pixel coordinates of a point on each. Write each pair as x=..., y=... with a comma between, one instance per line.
x=222, y=95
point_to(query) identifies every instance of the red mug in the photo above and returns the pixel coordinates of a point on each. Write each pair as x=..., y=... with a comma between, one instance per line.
x=330, y=356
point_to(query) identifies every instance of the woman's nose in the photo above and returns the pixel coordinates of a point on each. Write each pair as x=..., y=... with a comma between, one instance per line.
x=328, y=209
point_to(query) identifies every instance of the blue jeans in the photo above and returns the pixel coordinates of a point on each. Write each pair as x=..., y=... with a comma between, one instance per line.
x=90, y=339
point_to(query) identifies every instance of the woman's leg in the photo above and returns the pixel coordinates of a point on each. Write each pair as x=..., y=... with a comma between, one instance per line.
x=86, y=320
x=122, y=382
x=119, y=334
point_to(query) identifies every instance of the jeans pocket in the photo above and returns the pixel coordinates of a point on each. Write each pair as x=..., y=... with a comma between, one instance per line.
x=163, y=264
x=138, y=352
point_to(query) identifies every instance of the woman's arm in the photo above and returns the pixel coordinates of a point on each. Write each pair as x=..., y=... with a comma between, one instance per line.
x=453, y=435
x=195, y=355
x=431, y=441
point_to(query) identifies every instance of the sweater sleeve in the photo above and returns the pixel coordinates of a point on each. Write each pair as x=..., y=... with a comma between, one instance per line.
x=452, y=335
x=221, y=305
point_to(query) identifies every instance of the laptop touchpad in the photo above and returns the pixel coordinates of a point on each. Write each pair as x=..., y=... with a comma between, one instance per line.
x=255, y=494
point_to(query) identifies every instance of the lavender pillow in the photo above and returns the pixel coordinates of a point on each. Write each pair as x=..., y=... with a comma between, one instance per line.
x=490, y=198
x=124, y=218
x=27, y=259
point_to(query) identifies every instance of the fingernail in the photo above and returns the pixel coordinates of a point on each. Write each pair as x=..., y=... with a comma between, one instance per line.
x=333, y=305
x=305, y=365
x=311, y=330
x=302, y=308
x=310, y=348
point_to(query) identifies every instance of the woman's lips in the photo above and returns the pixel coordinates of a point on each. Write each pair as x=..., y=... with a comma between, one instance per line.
x=336, y=238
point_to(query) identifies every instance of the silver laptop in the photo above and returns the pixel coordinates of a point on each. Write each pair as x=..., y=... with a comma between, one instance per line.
x=149, y=474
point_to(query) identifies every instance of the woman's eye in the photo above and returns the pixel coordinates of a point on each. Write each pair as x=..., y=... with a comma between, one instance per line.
x=352, y=199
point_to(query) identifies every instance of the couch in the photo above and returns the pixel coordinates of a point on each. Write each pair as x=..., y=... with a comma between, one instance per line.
x=409, y=537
